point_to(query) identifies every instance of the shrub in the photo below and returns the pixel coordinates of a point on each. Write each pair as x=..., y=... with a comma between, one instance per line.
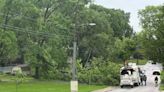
x=99, y=72
x=57, y=74
x=162, y=77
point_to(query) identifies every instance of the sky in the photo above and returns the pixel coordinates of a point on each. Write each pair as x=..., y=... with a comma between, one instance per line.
x=132, y=6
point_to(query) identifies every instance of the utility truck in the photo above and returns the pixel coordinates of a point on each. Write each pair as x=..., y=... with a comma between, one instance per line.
x=129, y=75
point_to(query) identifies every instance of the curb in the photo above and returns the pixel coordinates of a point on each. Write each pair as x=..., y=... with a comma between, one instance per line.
x=105, y=89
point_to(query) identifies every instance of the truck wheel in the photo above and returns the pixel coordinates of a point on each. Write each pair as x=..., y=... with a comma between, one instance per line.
x=137, y=84
x=121, y=86
x=131, y=86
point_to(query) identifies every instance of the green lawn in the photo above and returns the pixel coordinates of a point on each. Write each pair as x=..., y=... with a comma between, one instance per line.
x=45, y=86
x=7, y=84
x=10, y=78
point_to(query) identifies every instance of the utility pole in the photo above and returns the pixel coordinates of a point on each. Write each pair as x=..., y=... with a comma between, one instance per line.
x=74, y=77
x=74, y=82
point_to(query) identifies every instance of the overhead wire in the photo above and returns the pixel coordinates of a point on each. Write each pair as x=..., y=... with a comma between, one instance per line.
x=14, y=15
x=29, y=31
x=47, y=34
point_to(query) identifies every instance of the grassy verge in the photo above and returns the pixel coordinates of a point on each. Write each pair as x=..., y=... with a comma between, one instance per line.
x=140, y=62
x=45, y=86
x=8, y=84
x=10, y=78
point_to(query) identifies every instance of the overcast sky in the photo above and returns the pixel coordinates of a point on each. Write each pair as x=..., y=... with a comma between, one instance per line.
x=131, y=6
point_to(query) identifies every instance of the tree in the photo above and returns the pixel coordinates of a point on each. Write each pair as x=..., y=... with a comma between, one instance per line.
x=35, y=28
x=43, y=32
x=118, y=19
x=152, y=36
x=94, y=41
x=98, y=41
x=125, y=48
x=8, y=47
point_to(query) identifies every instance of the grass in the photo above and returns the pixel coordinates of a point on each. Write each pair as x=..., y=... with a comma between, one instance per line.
x=45, y=86
x=8, y=84
x=140, y=62
x=9, y=78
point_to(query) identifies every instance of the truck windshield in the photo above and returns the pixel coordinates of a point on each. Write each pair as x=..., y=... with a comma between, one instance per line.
x=123, y=72
x=127, y=71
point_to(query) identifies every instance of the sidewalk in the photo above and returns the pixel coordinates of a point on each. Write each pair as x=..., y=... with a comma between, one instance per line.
x=104, y=90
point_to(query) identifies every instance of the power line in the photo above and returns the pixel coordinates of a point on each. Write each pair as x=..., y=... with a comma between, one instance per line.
x=15, y=28
x=32, y=20
x=14, y=15
x=47, y=34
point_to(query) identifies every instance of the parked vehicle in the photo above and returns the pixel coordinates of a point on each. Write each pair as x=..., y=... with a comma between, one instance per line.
x=150, y=61
x=129, y=75
x=154, y=63
x=156, y=72
x=16, y=70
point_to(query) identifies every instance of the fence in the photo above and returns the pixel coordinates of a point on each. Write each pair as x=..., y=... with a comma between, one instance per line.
x=7, y=69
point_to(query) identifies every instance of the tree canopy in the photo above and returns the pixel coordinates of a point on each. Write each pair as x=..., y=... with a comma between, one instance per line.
x=40, y=33
x=152, y=36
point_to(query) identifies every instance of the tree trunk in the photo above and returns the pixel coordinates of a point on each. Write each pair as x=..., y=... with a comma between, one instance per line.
x=22, y=58
x=6, y=21
x=37, y=76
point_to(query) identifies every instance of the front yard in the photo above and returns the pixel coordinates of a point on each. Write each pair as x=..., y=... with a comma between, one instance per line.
x=8, y=84
x=45, y=86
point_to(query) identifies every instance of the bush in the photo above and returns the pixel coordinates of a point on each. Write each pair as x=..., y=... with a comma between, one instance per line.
x=99, y=72
x=57, y=74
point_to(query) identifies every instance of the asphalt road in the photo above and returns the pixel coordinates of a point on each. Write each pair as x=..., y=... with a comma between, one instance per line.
x=150, y=87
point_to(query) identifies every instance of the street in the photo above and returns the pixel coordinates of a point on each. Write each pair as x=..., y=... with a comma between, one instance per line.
x=150, y=87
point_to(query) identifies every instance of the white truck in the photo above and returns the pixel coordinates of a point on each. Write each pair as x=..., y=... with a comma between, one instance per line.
x=129, y=75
